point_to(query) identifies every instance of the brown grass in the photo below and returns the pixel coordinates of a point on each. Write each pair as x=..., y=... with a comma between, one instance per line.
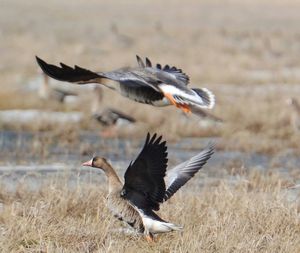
x=251, y=216
x=245, y=52
x=259, y=123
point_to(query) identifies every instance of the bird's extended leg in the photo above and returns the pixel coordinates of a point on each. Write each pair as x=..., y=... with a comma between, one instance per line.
x=184, y=107
x=171, y=99
x=149, y=237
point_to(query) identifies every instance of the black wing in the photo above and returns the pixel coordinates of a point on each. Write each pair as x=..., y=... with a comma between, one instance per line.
x=144, y=179
x=183, y=172
x=69, y=74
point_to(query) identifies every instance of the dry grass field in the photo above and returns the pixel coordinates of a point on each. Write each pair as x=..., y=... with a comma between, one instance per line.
x=252, y=216
x=246, y=52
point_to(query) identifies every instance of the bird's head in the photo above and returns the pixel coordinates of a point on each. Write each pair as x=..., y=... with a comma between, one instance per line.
x=96, y=162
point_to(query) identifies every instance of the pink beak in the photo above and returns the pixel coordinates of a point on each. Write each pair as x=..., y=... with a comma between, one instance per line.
x=88, y=163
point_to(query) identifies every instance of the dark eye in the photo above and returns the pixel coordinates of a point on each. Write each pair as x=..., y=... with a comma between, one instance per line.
x=123, y=193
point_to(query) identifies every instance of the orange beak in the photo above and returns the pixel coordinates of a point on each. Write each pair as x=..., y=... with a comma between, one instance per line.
x=88, y=163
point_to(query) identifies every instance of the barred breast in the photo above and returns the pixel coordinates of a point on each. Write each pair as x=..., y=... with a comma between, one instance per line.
x=123, y=211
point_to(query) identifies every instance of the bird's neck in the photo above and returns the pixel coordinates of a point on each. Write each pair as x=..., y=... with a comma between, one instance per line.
x=114, y=182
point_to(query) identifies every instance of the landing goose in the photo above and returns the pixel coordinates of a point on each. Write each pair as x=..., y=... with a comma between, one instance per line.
x=148, y=84
x=147, y=184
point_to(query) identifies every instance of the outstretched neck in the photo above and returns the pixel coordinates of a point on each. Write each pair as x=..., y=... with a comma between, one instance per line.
x=114, y=182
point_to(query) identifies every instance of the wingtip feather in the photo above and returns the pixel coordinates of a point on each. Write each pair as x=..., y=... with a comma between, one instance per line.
x=40, y=61
x=148, y=62
x=157, y=141
x=147, y=139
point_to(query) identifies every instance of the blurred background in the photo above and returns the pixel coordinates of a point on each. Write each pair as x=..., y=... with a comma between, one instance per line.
x=246, y=52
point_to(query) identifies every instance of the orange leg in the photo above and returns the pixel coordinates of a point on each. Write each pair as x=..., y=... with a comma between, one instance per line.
x=149, y=238
x=183, y=107
x=171, y=99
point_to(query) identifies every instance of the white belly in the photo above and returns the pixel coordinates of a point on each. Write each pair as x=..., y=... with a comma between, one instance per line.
x=156, y=227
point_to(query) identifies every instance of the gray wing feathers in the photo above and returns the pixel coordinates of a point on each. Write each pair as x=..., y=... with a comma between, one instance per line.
x=140, y=62
x=166, y=73
x=179, y=175
x=177, y=74
x=148, y=63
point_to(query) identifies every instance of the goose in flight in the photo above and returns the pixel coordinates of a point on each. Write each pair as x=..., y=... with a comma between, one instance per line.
x=147, y=185
x=148, y=84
